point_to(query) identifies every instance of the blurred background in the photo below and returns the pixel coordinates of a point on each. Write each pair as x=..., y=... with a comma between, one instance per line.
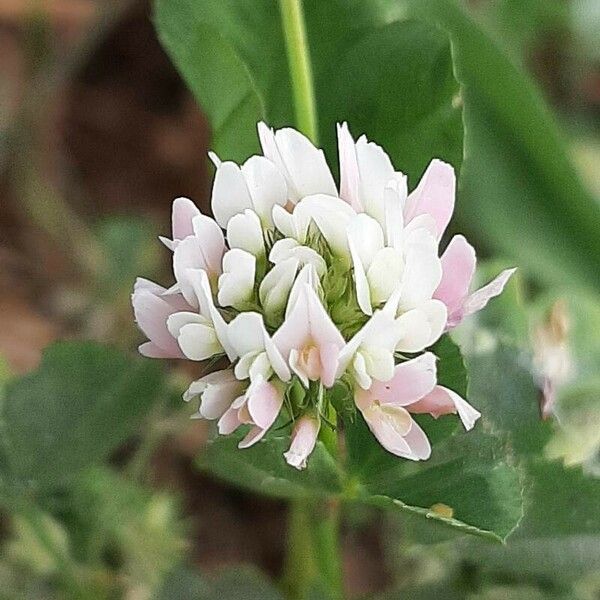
x=98, y=133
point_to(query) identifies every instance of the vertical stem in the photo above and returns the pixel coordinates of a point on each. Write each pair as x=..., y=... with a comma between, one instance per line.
x=292, y=18
x=313, y=560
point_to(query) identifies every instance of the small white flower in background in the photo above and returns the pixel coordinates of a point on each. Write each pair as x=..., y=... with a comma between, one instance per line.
x=300, y=286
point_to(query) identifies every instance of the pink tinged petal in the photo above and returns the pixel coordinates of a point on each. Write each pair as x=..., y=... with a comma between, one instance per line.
x=188, y=255
x=442, y=401
x=458, y=268
x=183, y=213
x=213, y=241
x=328, y=356
x=218, y=390
x=306, y=329
x=322, y=329
x=388, y=424
x=264, y=403
x=276, y=359
x=307, y=276
x=253, y=436
x=434, y=195
x=229, y=422
x=151, y=350
x=349, y=175
x=479, y=299
x=230, y=194
x=412, y=380
x=304, y=439
x=418, y=443
x=298, y=367
x=151, y=314
x=266, y=185
x=295, y=330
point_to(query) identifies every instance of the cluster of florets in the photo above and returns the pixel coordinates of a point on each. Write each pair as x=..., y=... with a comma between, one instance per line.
x=303, y=288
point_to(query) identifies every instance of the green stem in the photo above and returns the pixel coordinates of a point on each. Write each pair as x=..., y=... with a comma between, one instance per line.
x=313, y=561
x=300, y=69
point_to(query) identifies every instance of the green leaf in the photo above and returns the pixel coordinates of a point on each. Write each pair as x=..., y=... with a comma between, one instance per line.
x=469, y=474
x=559, y=501
x=517, y=182
x=451, y=369
x=263, y=469
x=392, y=81
x=395, y=83
x=80, y=404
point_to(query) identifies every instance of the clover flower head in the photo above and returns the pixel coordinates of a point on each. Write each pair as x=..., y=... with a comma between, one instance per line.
x=302, y=286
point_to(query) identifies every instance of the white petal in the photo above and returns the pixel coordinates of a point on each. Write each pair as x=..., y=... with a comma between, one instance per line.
x=416, y=331
x=212, y=241
x=289, y=248
x=182, y=215
x=303, y=165
x=230, y=194
x=385, y=274
x=367, y=237
x=199, y=280
x=245, y=231
x=198, y=341
x=188, y=255
x=275, y=287
x=363, y=292
x=394, y=196
x=479, y=299
x=266, y=185
x=349, y=174
x=422, y=272
x=246, y=333
x=376, y=170
x=331, y=216
x=179, y=319
x=236, y=283
x=285, y=222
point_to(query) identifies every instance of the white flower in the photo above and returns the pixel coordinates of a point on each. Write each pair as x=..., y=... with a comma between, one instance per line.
x=289, y=248
x=257, y=185
x=257, y=351
x=244, y=231
x=236, y=283
x=217, y=391
x=329, y=214
x=303, y=166
x=309, y=340
x=308, y=288
x=204, y=250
